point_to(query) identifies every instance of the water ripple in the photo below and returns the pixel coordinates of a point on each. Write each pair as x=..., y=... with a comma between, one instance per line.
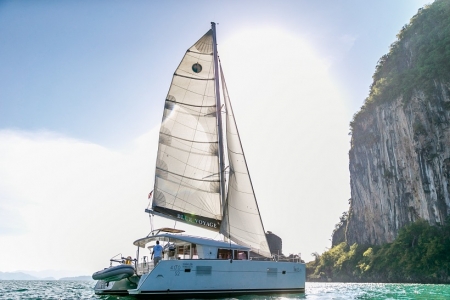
x=40, y=290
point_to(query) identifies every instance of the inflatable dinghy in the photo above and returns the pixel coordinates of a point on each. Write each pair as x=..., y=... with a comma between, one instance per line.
x=115, y=273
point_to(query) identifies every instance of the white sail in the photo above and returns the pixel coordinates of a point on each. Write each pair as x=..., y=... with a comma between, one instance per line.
x=187, y=184
x=242, y=221
x=187, y=178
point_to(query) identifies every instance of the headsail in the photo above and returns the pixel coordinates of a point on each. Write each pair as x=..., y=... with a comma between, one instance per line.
x=242, y=221
x=187, y=185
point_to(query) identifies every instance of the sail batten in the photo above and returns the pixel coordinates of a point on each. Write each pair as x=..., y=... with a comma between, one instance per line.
x=187, y=177
x=194, y=78
x=184, y=104
x=186, y=140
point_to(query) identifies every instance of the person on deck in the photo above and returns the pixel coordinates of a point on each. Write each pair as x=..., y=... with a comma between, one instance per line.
x=157, y=253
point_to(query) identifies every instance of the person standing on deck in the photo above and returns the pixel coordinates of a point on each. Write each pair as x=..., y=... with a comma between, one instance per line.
x=157, y=253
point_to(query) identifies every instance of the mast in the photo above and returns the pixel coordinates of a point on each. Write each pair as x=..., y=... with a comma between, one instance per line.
x=219, y=117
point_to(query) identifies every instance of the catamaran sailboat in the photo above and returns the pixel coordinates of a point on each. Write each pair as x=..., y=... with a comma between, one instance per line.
x=193, y=185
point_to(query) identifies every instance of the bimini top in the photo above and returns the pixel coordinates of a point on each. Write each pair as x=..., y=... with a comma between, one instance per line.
x=190, y=239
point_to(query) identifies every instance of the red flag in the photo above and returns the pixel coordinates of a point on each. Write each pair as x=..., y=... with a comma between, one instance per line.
x=150, y=195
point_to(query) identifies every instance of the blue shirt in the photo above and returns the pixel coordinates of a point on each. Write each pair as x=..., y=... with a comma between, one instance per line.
x=157, y=250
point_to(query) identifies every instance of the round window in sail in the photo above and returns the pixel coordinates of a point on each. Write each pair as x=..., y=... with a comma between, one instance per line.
x=197, y=68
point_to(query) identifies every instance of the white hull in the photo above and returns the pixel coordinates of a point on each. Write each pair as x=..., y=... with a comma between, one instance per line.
x=194, y=277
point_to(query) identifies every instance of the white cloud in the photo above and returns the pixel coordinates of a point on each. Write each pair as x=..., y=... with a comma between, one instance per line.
x=69, y=204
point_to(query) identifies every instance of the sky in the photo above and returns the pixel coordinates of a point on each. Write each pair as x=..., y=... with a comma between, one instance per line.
x=82, y=89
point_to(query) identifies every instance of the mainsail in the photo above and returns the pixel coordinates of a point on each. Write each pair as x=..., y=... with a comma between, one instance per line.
x=188, y=175
x=187, y=184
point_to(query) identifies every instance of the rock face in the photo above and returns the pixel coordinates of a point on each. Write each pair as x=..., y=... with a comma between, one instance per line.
x=400, y=167
x=400, y=149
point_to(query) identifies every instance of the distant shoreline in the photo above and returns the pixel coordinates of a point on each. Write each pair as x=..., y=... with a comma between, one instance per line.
x=26, y=276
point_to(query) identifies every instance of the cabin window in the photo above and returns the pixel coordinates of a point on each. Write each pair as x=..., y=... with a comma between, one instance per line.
x=187, y=251
x=184, y=252
x=224, y=254
x=242, y=255
x=194, y=251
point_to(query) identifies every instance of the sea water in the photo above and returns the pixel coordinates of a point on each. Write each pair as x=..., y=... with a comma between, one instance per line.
x=33, y=290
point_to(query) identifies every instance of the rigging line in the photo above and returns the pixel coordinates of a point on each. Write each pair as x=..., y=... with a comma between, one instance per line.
x=215, y=173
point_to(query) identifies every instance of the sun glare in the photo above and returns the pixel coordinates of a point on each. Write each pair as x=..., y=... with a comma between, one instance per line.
x=290, y=114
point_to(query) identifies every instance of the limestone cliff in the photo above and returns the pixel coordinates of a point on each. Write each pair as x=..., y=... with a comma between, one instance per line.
x=400, y=149
x=400, y=167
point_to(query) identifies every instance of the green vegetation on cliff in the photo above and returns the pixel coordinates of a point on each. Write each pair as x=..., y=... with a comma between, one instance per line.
x=418, y=60
x=419, y=254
